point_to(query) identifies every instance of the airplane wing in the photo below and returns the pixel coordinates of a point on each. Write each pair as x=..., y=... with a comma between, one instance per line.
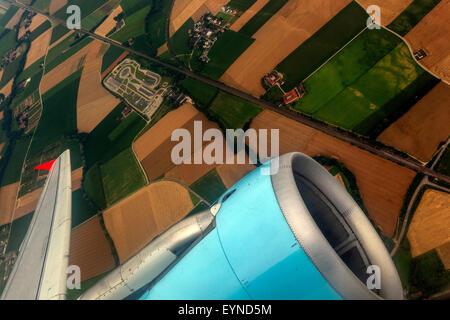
x=40, y=270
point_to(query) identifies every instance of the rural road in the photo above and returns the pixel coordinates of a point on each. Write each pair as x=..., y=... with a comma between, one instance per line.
x=361, y=143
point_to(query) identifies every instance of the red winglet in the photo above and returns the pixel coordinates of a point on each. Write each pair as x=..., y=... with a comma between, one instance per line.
x=46, y=166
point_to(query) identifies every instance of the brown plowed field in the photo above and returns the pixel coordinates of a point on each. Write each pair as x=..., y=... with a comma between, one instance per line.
x=8, y=196
x=154, y=148
x=431, y=34
x=94, y=102
x=135, y=221
x=38, y=48
x=248, y=14
x=90, y=250
x=382, y=184
x=65, y=69
x=55, y=5
x=294, y=23
x=420, y=131
x=430, y=226
x=390, y=9
x=215, y=5
x=109, y=22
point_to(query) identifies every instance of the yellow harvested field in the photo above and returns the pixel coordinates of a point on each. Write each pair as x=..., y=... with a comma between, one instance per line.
x=55, y=5
x=390, y=9
x=65, y=69
x=15, y=19
x=431, y=35
x=248, y=14
x=200, y=12
x=292, y=25
x=430, y=226
x=38, y=48
x=109, y=22
x=382, y=184
x=28, y=202
x=90, y=250
x=420, y=131
x=94, y=102
x=36, y=21
x=135, y=221
x=184, y=9
x=154, y=147
x=6, y=90
x=215, y=5
x=8, y=196
x=444, y=253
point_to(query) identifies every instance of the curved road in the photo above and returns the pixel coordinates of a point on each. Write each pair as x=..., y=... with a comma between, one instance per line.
x=361, y=143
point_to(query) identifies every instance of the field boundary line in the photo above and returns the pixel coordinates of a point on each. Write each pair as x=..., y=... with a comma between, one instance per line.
x=335, y=54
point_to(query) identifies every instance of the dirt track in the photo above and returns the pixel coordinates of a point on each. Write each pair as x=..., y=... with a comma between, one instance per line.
x=94, y=102
x=90, y=250
x=430, y=225
x=135, y=221
x=390, y=9
x=382, y=184
x=420, y=131
x=8, y=196
x=431, y=35
x=38, y=48
x=282, y=34
x=248, y=14
x=109, y=22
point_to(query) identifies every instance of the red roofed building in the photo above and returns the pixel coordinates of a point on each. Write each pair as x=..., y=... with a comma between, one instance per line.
x=291, y=96
x=273, y=77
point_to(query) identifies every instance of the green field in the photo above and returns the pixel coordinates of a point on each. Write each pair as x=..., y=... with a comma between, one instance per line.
x=210, y=186
x=7, y=42
x=111, y=55
x=93, y=186
x=122, y=176
x=11, y=70
x=202, y=94
x=241, y=5
x=228, y=47
x=8, y=15
x=180, y=40
x=58, y=32
x=112, y=136
x=412, y=15
x=87, y=7
x=131, y=6
x=65, y=50
x=233, y=112
x=42, y=5
x=134, y=25
x=262, y=17
x=14, y=166
x=322, y=45
x=58, y=120
x=365, y=78
x=40, y=30
x=18, y=230
x=82, y=209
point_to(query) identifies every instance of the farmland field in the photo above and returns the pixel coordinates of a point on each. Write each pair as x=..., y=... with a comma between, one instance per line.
x=210, y=186
x=121, y=176
x=412, y=15
x=233, y=112
x=228, y=47
x=358, y=93
x=323, y=44
x=202, y=93
x=180, y=39
x=134, y=25
x=110, y=56
x=14, y=166
x=263, y=15
x=136, y=220
x=93, y=186
x=82, y=209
